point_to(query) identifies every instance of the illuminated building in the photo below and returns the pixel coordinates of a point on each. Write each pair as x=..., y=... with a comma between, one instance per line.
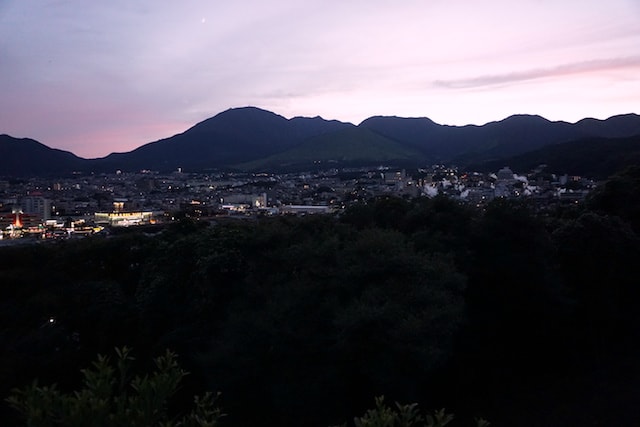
x=15, y=222
x=124, y=219
x=15, y=219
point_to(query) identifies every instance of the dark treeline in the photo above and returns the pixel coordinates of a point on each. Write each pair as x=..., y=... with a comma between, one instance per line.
x=520, y=316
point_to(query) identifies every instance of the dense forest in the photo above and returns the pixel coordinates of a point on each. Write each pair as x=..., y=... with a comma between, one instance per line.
x=519, y=315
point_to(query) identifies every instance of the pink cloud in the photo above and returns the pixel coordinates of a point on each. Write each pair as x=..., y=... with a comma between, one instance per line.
x=583, y=67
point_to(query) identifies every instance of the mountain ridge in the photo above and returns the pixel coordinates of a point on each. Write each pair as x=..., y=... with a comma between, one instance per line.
x=250, y=135
x=28, y=157
x=599, y=157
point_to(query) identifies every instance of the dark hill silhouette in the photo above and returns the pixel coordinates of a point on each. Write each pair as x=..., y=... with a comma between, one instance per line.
x=417, y=132
x=351, y=146
x=236, y=135
x=249, y=135
x=26, y=157
x=614, y=127
x=513, y=135
x=593, y=157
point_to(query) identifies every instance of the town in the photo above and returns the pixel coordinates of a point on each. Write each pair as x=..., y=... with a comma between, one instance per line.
x=86, y=204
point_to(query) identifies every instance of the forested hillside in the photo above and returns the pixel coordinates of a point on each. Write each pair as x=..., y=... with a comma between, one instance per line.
x=518, y=316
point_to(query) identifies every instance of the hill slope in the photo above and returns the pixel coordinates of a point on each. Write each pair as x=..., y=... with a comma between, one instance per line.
x=236, y=135
x=348, y=146
x=513, y=135
x=593, y=157
x=27, y=157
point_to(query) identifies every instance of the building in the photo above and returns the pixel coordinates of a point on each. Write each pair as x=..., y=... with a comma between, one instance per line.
x=37, y=206
x=15, y=223
x=505, y=174
x=125, y=219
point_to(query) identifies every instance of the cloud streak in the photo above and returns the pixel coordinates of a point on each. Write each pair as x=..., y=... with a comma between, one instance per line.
x=575, y=68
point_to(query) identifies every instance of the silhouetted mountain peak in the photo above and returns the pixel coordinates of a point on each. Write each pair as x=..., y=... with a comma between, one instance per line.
x=241, y=116
x=28, y=157
x=397, y=119
x=525, y=118
x=618, y=117
x=616, y=126
x=19, y=142
x=10, y=142
x=246, y=135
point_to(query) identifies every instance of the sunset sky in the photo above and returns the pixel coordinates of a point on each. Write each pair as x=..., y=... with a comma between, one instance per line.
x=100, y=77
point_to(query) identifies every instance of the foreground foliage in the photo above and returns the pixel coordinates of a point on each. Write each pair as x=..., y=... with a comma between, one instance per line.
x=111, y=396
x=409, y=415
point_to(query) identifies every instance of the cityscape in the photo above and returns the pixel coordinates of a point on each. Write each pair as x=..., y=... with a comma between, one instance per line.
x=86, y=204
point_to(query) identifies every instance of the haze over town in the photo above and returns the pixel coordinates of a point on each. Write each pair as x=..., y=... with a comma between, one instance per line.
x=100, y=78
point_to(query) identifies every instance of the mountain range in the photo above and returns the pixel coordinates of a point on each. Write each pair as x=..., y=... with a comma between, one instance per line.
x=253, y=139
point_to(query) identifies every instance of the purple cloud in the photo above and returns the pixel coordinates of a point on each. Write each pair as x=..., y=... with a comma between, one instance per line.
x=583, y=67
